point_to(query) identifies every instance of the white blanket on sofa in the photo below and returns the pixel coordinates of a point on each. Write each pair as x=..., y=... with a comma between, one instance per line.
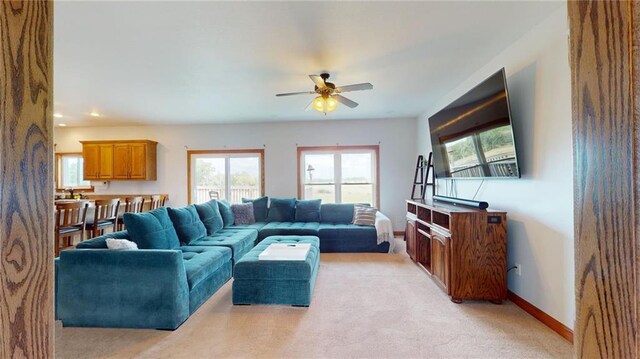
x=384, y=230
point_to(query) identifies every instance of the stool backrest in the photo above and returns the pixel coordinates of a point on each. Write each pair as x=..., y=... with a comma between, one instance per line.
x=157, y=201
x=71, y=214
x=133, y=204
x=106, y=210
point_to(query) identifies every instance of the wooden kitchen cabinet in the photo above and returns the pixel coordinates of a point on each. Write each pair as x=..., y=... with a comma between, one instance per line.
x=98, y=161
x=120, y=160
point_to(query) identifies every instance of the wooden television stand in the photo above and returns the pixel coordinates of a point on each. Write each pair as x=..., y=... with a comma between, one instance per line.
x=463, y=249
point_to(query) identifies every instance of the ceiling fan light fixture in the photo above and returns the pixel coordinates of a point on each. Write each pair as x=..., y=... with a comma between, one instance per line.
x=325, y=104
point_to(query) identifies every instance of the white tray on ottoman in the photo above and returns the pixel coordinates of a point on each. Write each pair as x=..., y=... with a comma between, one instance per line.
x=285, y=252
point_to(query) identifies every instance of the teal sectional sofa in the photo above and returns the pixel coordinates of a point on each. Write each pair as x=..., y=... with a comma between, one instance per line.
x=186, y=254
x=179, y=265
x=332, y=224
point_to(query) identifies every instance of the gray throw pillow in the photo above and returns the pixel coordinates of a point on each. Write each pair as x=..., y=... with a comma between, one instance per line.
x=364, y=216
x=243, y=213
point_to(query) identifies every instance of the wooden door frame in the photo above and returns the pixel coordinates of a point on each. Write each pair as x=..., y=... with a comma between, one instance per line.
x=605, y=69
x=27, y=181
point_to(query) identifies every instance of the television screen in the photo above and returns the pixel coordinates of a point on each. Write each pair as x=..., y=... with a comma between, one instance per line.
x=473, y=136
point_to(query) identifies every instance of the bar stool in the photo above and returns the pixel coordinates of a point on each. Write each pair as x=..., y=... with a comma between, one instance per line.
x=70, y=221
x=105, y=215
x=157, y=201
x=131, y=205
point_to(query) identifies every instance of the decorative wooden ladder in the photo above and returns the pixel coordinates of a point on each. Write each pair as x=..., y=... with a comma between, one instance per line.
x=421, y=178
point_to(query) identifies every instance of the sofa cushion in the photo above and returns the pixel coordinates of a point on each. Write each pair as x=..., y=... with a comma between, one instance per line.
x=226, y=212
x=336, y=213
x=243, y=213
x=210, y=216
x=201, y=262
x=308, y=210
x=152, y=229
x=260, y=207
x=187, y=223
x=289, y=229
x=282, y=210
x=346, y=232
x=257, y=226
x=240, y=241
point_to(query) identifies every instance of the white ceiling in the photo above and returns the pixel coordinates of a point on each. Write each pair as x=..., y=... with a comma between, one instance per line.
x=214, y=62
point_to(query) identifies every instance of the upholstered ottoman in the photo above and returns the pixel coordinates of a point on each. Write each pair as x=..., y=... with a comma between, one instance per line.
x=276, y=282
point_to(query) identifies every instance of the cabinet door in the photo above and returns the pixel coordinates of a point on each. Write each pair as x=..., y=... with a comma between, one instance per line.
x=91, y=159
x=138, y=161
x=121, y=160
x=440, y=259
x=106, y=162
x=411, y=239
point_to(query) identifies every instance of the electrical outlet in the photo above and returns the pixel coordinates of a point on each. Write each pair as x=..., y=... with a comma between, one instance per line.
x=518, y=269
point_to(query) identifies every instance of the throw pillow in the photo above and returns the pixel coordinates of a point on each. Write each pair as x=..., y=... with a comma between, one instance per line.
x=282, y=210
x=260, y=207
x=364, y=216
x=120, y=244
x=243, y=213
x=226, y=212
x=187, y=223
x=210, y=216
x=152, y=229
x=308, y=210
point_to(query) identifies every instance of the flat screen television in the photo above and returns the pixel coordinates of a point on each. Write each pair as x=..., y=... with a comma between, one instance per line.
x=473, y=136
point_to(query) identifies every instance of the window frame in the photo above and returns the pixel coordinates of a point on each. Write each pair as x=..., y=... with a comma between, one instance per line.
x=57, y=164
x=259, y=152
x=375, y=149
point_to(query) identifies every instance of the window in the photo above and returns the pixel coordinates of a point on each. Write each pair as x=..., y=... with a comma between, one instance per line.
x=225, y=174
x=344, y=174
x=69, y=172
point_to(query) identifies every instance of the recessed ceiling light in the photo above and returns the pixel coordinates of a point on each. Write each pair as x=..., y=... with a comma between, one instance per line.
x=57, y=115
x=62, y=124
x=94, y=114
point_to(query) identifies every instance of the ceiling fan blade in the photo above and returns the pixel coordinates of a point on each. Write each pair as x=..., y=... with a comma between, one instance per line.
x=345, y=101
x=319, y=81
x=356, y=87
x=295, y=93
x=310, y=105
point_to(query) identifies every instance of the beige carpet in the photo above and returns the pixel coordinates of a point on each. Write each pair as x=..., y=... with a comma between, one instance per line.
x=364, y=305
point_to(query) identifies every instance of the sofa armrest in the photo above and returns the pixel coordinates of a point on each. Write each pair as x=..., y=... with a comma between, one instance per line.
x=122, y=288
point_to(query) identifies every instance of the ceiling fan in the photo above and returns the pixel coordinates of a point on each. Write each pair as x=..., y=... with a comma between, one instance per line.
x=329, y=94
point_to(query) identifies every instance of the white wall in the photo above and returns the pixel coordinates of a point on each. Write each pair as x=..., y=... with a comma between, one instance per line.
x=395, y=136
x=540, y=204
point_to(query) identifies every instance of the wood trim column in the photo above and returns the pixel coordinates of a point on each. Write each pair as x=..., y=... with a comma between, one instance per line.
x=26, y=179
x=604, y=87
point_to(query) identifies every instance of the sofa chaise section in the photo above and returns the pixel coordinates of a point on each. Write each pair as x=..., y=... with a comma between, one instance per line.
x=240, y=241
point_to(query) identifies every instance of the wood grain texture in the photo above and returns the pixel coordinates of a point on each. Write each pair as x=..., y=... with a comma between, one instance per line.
x=468, y=256
x=26, y=179
x=478, y=256
x=605, y=173
x=635, y=33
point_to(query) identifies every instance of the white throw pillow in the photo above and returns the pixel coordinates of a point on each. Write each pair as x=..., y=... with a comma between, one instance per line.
x=113, y=243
